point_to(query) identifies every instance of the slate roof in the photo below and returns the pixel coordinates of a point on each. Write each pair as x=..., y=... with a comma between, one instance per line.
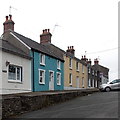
x=8, y=47
x=40, y=47
x=54, y=49
x=102, y=69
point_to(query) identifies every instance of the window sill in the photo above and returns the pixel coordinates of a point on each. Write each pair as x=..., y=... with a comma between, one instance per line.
x=42, y=64
x=41, y=83
x=58, y=84
x=70, y=68
x=14, y=81
x=58, y=69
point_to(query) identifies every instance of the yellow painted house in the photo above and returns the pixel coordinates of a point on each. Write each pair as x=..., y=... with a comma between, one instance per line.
x=75, y=71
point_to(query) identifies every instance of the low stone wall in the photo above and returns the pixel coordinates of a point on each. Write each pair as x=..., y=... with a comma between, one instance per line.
x=16, y=104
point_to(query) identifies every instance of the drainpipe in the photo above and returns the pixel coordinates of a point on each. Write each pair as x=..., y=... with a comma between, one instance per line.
x=33, y=73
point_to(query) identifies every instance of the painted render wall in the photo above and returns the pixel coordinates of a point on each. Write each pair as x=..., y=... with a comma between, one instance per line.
x=12, y=87
x=75, y=73
x=50, y=64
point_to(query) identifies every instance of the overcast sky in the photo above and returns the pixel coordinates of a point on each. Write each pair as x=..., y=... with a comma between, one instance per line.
x=88, y=25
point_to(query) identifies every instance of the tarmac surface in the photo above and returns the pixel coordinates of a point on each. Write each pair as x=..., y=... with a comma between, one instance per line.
x=96, y=105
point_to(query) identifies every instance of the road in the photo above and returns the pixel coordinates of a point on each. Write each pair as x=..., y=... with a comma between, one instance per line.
x=96, y=105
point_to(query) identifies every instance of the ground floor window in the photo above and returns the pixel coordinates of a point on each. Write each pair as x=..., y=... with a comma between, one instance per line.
x=89, y=83
x=58, y=78
x=70, y=79
x=41, y=76
x=15, y=73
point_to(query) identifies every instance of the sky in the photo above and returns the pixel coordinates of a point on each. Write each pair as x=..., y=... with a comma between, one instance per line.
x=91, y=26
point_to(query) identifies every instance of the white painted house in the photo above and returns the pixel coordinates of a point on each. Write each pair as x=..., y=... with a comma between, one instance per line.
x=16, y=69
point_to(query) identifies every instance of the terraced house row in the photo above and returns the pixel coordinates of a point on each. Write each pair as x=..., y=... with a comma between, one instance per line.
x=31, y=66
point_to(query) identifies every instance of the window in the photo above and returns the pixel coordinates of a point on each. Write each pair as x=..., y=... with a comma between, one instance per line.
x=42, y=59
x=70, y=79
x=88, y=70
x=96, y=83
x=82, y=68
x=15, y=73
x=96, y=73
x=77, y=66
x=70, y=63
x=93, y=83
x=58, y=64
x=58, y=78
x=41, y=76
x=92, y=72
x=89, y=83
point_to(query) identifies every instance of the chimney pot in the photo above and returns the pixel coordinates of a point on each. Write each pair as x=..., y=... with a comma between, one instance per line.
x=6, y=18
x=10, y=17
x=8, y=25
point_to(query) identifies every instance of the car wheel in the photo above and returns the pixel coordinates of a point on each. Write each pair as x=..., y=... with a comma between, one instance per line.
x=107, y=89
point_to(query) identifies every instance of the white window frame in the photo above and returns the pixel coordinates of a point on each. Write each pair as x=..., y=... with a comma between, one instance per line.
x=43, y=81
x=70, y=79
x=42, y=59
x=70, y=63
x=77, y=66
x=58, y=80
x=21, y=72
x=58, y=64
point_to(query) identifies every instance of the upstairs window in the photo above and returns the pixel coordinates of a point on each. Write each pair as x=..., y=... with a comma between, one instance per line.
x=15, y=73
x=58, y=64
x=88, y=70
x=70, y=63
x=42, y=59
x=82, y=68
x=77, y=66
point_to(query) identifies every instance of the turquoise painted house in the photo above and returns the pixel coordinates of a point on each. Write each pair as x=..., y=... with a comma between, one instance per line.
x=47, y=71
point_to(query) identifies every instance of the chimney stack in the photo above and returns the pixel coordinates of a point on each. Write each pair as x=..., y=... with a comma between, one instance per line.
x=8, y=24
x=71, y=50
x=96, y=62
x=45, y=37
x=89, y=62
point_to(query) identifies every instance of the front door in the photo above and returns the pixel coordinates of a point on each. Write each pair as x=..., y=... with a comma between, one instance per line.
x=77, y=82
x=51, y=80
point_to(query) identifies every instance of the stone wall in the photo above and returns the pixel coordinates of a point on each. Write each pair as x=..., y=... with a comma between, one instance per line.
x=20, y=103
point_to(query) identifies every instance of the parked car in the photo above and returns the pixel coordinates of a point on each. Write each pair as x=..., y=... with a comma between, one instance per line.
x=113, y=85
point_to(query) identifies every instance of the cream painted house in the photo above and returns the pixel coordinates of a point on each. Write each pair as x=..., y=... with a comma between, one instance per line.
x=75, y=71
x=16, y=69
